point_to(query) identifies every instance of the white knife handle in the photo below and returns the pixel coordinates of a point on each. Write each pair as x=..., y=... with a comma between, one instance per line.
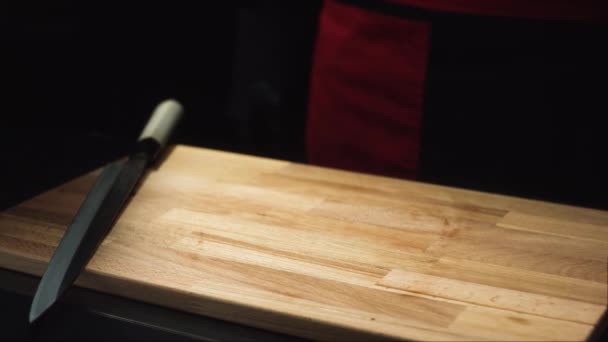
x=163, y=121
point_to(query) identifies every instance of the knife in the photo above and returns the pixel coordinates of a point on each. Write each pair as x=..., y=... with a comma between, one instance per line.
x=101, y=208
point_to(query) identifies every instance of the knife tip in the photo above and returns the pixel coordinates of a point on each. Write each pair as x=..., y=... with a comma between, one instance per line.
x=33, y=317
x=39, y=307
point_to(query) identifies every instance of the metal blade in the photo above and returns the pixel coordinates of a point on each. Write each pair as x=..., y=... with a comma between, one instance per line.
x=89, y=227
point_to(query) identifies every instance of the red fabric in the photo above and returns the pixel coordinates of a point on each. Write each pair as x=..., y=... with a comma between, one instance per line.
x=366, y=92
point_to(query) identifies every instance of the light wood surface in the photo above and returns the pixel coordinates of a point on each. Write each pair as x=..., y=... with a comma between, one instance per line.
x=332, y=255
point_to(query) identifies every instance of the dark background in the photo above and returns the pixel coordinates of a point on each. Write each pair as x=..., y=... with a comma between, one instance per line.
x=511, y=106
x=79, y=81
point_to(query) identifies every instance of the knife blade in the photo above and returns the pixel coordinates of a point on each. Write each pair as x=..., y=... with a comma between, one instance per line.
x=101, y=208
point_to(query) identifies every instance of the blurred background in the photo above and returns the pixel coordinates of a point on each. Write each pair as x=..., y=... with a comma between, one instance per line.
x=80, y=78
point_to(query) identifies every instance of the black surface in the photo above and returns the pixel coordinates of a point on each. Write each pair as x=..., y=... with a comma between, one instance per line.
x=600, y=332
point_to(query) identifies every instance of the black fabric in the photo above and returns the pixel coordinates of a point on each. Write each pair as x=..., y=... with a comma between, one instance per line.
x=517, y=107
x=269, y=91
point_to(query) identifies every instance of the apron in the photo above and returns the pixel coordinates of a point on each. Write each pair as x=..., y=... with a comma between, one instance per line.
x=369, y=75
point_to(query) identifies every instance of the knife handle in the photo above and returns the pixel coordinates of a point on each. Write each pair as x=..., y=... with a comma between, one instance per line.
x=159, y=128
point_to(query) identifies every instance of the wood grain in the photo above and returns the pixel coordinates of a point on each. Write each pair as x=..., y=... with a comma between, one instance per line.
x=496, y=297
x=333, y=255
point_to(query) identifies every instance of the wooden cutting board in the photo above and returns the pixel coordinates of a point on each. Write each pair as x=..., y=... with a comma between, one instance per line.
x=328, y=254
